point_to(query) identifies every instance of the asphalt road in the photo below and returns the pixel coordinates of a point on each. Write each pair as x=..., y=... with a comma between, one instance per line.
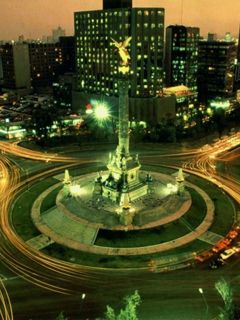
x=172, y=295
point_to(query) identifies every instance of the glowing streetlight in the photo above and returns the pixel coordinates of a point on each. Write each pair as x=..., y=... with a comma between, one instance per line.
x=204, y=299
x=101, y=112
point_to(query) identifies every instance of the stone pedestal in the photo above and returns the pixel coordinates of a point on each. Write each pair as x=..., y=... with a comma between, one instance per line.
x=123, y=184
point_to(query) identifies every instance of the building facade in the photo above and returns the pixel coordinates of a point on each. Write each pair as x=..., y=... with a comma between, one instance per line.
x=216, y=67
x=181, y=58
x=97, y=59
x=237, y=69
x=46, y=61
x=109, y=4
x=15, y=66
x=67, y=47
x=57, y=33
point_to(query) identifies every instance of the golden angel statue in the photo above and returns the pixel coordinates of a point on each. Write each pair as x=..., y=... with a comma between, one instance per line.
x=124, y=54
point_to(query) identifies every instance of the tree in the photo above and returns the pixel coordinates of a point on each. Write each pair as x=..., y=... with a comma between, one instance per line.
x=42, y=119
x=61, y=316
x=130, y=310
x=225, y=291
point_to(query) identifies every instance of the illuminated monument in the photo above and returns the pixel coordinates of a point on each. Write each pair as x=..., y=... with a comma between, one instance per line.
x=91, y=214
x=123, y=184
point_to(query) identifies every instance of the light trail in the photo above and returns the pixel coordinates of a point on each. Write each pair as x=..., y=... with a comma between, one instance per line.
x=205, y=165
x=61, y=276
x=6, y=312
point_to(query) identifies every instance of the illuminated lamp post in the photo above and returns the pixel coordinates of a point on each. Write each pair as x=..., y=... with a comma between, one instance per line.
x=101, y=112
x=83, y=296
x=204, y=300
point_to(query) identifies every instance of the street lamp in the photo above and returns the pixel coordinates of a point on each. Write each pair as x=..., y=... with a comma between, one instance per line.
x=101, y=112
x=83, y=296
x=205, y=301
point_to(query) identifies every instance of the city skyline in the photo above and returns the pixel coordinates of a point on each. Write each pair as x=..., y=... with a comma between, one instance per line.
x=29, y=18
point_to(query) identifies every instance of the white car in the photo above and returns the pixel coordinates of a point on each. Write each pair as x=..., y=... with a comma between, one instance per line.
x=229, y=252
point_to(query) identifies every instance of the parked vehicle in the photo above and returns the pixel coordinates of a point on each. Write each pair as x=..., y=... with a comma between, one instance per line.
x=221, y=245
x=216, y=263
x=229, y=252
x=204, y=256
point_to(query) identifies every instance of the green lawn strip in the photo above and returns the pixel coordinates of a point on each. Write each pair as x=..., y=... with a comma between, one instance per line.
x=159, y=168
x=140, y=238
x=197, y=211
x=50, y=200
x=224, y=215
x=85, y=169
x=21, y=212
x=136, y=261
x=191, y=247
x=224, y=211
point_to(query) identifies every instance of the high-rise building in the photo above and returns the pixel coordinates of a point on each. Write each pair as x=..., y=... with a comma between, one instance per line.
x=1, y=69
x=237, y=68
x=216, y=69
x=110, y=4
x=181, y=57
x=97, y=59
x=46, y=61
x=15, y=66
x=67, y=45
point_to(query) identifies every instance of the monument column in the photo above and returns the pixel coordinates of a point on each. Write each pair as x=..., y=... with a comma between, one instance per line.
x=123, y=131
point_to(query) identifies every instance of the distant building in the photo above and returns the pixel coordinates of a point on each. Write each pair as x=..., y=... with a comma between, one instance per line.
x=15, y=66
x=216, y=69
x=21, y=38
x=181, y=58
x=183, y=97
x=46, y=61
x=67, y=45
x=12, y=130
x=110, y=4
x=1, y=70
x=212, y=37
x=62, y=91
x=57, y=33
x=228, y=37
x=237, y=69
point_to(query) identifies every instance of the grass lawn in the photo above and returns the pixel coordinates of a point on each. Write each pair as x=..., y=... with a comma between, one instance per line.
x=197, y=212
x=140, y=238
x=224, y=210
x=50, y=200
x=21, y=212
x=137, y=261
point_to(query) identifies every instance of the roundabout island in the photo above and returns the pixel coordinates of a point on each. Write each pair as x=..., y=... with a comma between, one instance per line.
x=125, y=217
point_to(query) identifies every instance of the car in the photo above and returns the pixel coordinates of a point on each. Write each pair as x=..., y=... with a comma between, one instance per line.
x=204, y=256
x=221, y=245
x=229, y=252
x=216, y=263
x=232, y=234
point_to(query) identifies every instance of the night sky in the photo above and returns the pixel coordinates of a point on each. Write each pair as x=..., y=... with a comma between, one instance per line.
x=34, y=18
